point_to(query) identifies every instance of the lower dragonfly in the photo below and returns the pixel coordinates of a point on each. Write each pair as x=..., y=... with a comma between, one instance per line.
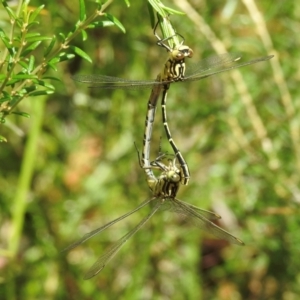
x=164, y=189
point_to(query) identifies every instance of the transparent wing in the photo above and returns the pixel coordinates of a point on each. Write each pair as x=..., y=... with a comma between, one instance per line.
x=196, y=216
x=107, y=256
x=107, y=82
x=100, y=229
x=184, y=208
x=204, y=68
x=218, y=64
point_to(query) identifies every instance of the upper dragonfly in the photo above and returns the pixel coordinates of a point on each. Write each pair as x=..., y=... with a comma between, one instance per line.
x=173, y=71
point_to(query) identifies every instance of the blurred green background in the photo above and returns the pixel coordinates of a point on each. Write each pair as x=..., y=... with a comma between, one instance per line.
x=238, y=131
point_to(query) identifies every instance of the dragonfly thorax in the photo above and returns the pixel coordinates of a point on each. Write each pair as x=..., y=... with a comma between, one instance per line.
x=175, y=66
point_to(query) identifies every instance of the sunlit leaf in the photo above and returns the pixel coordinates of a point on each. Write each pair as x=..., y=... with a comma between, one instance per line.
x=23, y=114
x=2, y=138
x=127, y=3
x=101, y=24
x=81, y=53
x=30, y=48
x=41, y=93
x=50, y=46
x=35, y=13
x=116, y=22
x=84, y=35
x=82, y=14
x=9, y=11
x=157, y=5
x=31, y=63
x=6, y=42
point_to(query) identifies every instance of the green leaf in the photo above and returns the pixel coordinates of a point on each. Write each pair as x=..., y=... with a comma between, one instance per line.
x=157, y=5
x=127, y=3
x=173, y=11
x=2, y=138
x=38, y=38
x=84, y=35
x=11, y=14
x=65, y=56
x=50, y=46
x=63, y=37
x=31, y=34
x=6, y=42
x=35, y=13
x=52, y=78
x=44, y=83
x=20, y=113
x=31, y=64
x=116, y=22
x=52, y=66
x=41, y=93
x=81, y=53
x=30, y=48
x=101, y=24
x=23, y=64
x=82, y=14
x=54, y=60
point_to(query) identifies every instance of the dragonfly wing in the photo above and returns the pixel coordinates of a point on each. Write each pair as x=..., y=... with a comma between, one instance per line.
x=198, y=219
x=106, y=257
x=211, y=62
x=222, y=66
x=183, y=208
x=108, y=82
x=100, y=229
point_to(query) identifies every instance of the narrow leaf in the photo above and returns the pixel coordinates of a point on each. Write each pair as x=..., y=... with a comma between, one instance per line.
x=84, y=35
x=38, y=38
x=51, y=78
x=30, y=48
x=127, y=3
x=101, y=24
x=35, y=13
x=157, y=5
x=82, y=14
x=31, y=63
x=66, y=57
x=54, y=60
x=6, y=42
x=20, y=113
x=173, y=11
x=50, y=46
x=23, y=64
x=2, y=138
x=63, y=37
x=41, y=93
x=116, y=22
x=81, y=53
x=9, y=11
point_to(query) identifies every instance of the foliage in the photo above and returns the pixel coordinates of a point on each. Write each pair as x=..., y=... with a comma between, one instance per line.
x=72, y=166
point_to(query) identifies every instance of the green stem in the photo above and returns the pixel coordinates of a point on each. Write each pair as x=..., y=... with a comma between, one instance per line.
x=27, y=168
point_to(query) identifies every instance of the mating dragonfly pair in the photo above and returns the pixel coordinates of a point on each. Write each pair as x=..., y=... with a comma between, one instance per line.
x=164, y=187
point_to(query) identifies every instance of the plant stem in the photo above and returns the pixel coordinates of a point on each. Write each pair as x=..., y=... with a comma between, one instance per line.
x=27, y=168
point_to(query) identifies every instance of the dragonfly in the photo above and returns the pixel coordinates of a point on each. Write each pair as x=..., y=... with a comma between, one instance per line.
x=174, y=71
x=164, y=189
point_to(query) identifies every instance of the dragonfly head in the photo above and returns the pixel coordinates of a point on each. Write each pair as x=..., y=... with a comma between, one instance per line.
x=181, y=52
